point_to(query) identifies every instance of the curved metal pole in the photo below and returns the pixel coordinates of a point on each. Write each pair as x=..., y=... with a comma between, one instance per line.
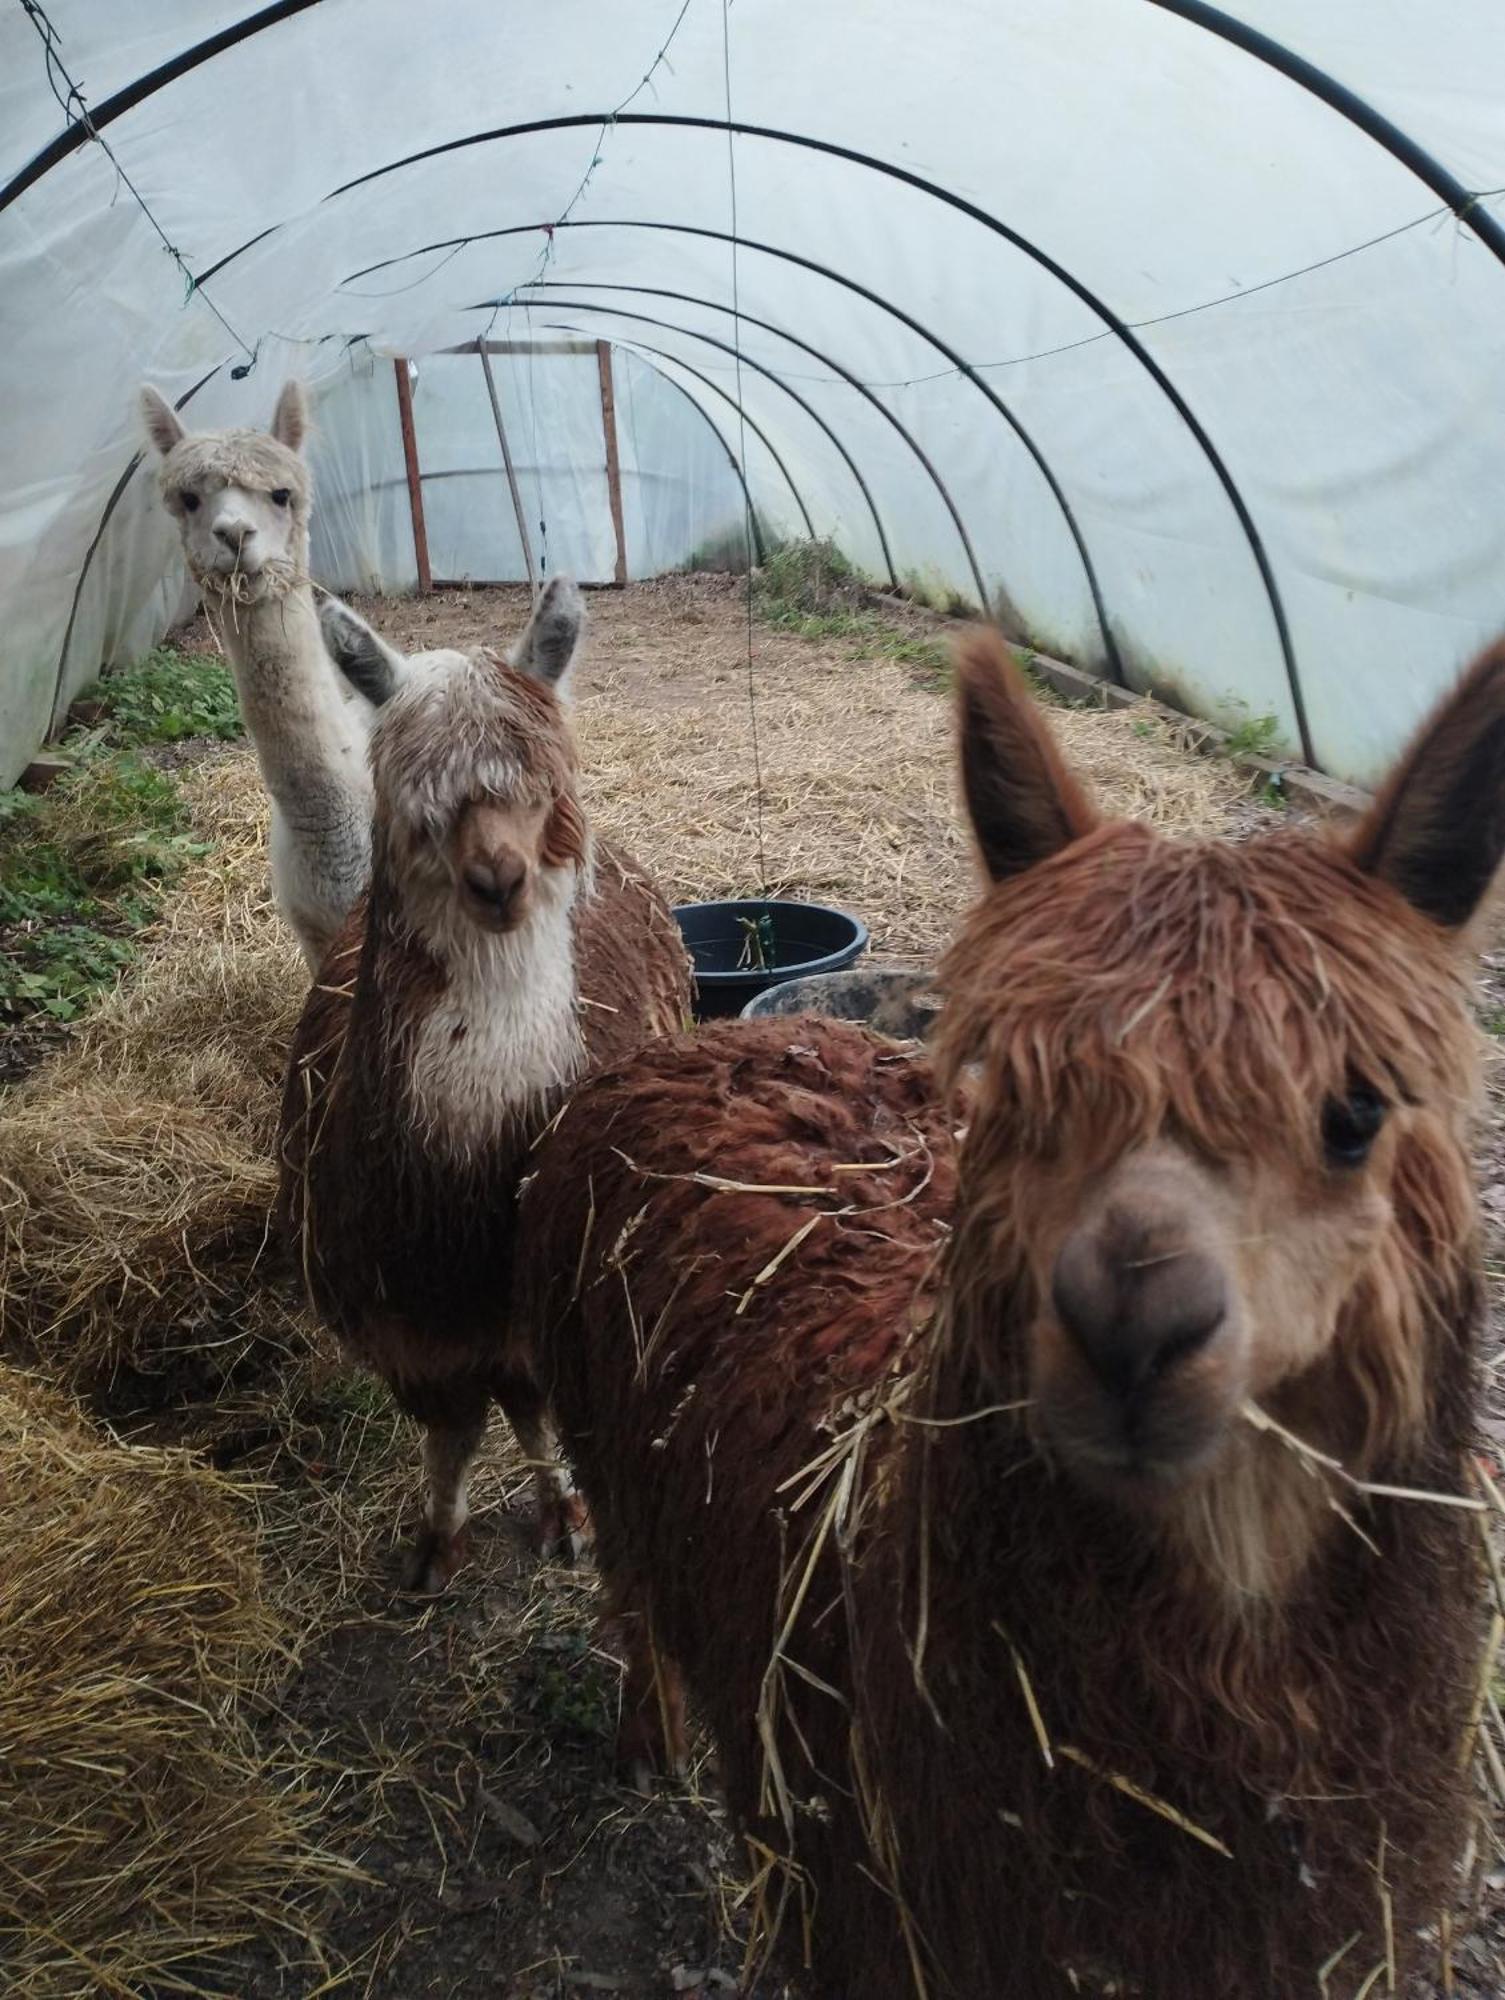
x=757, y=551
x=79, y=132
x=749, y=319
x=1110, y=319
x=662, y=354
x=970, y=209
x=942, y=347
x=692, y=333
x=1396, y=141
x=1337, y=96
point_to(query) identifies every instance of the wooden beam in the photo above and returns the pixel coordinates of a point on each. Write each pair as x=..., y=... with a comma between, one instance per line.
x=613, y=463
x=415, y=478
x=517, y=498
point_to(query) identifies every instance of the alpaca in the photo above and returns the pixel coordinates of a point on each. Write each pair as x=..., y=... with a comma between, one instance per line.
x=241, y=501
x=1020, y=1507
x=496, y=957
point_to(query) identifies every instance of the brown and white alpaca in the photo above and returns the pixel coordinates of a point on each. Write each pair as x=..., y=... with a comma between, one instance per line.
x=977, y=1491
x=241, y=500
x=496, y=958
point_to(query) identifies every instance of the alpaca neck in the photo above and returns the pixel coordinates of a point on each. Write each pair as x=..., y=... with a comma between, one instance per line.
x=302, y=722
x=493, y=1047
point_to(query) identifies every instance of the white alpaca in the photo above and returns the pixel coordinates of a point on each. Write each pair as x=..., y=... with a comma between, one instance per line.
x=241, y=500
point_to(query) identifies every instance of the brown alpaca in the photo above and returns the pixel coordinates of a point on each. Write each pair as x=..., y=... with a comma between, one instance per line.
x=495, y=959
x=1038, y=1660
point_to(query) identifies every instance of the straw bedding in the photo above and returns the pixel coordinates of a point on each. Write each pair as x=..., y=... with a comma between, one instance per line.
x=142, y=1828
x=136, y=1170
x=858, y=784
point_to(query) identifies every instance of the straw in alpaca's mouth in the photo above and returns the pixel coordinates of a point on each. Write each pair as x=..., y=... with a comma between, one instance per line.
x=276, y=576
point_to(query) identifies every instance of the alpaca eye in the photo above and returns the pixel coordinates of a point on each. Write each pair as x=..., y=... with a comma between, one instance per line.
x=1350, y=1126
x=281, y=495
x=190, y=502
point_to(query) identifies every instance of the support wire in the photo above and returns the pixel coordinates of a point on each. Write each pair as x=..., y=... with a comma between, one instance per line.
x=748, y=537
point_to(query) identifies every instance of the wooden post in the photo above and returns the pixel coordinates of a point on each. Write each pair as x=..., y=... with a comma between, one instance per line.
x=415, y=480
x=517, y=498
x=613, y=463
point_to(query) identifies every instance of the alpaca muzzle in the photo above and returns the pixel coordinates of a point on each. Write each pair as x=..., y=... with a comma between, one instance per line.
x=492, y=860
x=1140, y=1357
x=494, y=887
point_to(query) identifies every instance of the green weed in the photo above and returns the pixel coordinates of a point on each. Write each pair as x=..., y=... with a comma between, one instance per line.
x=804, y=580
x=566, y=1687
x=1256, y=736
x=812, y=590
x=81, y=870
x=165, y=697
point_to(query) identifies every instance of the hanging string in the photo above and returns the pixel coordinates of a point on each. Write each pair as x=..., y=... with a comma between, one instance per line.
x=70, y=98
x=598, y=153
x=509, y=300
x=543, y=516
x=747, y=526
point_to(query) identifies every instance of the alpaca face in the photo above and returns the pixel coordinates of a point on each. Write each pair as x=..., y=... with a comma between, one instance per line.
x=1198, y=1119
x=240, y=498
x=494, y=856
x=476, y=817
x=1217, y=1145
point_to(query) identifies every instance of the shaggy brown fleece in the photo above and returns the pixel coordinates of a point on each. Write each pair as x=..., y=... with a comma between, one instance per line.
x=1010, y=1734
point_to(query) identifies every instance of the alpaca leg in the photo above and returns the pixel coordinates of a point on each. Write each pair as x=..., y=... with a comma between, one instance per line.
x=562, y=1524
x=448, y=1449
x=651, y=1733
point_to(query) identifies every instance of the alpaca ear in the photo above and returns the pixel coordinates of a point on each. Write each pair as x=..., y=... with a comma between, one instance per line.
x=1436, y=832
x=372, y=667
x=290, y=418
x=548, y=647
x=1023, y=802
x=161, y=420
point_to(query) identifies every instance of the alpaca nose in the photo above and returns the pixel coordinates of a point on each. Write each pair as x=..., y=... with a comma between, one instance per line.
x=1136, y=1308
x=495, y=879
x=233, y=534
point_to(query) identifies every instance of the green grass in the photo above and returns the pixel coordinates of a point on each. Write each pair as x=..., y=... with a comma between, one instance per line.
x=807, y=579
x=1272, y=792
x=83, y=865
x=811, y=589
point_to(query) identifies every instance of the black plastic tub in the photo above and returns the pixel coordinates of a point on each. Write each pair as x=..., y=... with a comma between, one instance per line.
x=804, y=938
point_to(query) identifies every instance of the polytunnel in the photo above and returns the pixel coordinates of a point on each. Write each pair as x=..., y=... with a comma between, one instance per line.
x=1174, y=334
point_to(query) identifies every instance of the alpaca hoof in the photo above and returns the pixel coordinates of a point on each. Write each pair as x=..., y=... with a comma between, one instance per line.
x=639, y=1778
x=564, y=1528
x=645, y=1756
x=432, y=1562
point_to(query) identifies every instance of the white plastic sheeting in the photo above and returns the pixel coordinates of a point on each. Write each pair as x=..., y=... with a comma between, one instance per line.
x=679, y=489
x=1078, y=303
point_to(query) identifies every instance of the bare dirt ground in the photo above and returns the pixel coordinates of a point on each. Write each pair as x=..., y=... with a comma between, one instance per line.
x=458, y=1755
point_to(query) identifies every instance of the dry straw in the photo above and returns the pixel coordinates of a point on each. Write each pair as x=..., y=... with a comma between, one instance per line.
x=136, y=1174
x=143, y=1829
x=858, y=785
